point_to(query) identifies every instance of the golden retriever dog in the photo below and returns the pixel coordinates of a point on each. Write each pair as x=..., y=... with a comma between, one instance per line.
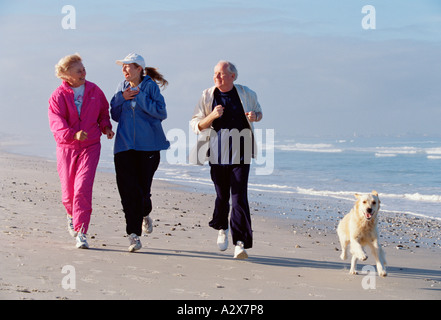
x=359, y=228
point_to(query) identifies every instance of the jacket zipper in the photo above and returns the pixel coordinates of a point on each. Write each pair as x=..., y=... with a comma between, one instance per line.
x=79, y=142
x=134, y=127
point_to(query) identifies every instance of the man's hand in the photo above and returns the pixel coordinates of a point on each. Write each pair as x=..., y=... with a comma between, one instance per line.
x=217, y=112
x=253, y=116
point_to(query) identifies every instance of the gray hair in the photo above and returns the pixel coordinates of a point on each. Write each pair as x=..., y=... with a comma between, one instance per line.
x=231, y=68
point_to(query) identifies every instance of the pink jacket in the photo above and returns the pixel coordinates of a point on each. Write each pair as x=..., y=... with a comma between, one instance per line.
x=65, y=122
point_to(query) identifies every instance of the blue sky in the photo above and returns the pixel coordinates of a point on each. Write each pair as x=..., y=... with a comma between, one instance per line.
x=316, y=71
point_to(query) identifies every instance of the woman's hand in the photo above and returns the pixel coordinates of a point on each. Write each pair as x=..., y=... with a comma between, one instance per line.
x=130, y=94
x=80, y=135
x=109, y=133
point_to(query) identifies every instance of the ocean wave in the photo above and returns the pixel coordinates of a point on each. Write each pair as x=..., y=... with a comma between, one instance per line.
x=350, y=194
x=399, y=150
x=345, y=146
x=398, y=202
x=345, y=195
x=188, y=178
x=305, y=147
x=433, y=151
x=186, y=181
x=379, y=154
x=414, y=197
x=412, y=214
x=13, y=143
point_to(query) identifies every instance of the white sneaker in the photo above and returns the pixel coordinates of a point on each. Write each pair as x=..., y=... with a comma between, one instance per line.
x=135, y=243
x=222, y=240
x=70, y=226
x=82, y=241
x=239, y=251
x=147, y=224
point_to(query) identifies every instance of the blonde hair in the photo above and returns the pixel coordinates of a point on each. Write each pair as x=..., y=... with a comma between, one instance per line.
x=65, y=63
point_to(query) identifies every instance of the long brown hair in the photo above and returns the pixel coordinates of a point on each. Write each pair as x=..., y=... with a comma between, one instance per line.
x=155, y=75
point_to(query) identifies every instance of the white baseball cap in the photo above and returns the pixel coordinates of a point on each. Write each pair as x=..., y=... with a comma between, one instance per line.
x=132, y=58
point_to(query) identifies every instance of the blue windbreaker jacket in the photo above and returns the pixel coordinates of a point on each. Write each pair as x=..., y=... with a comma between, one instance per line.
x=139, y=128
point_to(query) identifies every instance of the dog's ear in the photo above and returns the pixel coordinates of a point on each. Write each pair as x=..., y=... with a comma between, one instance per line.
x=375, y=193
x=357, y=196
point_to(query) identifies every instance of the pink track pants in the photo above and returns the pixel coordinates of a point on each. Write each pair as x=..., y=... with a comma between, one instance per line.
x=77, y=169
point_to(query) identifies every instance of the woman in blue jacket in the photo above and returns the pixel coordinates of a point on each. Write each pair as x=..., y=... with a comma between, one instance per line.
x=139, y=109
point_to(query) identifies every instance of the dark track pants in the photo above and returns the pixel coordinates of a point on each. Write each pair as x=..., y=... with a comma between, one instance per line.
x=234, y=179
x=134, y=176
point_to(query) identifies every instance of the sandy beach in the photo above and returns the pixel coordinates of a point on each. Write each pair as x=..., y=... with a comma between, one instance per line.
x=291, y=258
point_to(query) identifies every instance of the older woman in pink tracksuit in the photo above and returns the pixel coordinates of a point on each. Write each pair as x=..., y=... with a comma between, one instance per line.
x=78, y=115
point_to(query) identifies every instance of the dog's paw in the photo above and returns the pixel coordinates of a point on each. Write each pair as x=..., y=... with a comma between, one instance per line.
x=353, y=272
x=382, y=273
x=362, y=257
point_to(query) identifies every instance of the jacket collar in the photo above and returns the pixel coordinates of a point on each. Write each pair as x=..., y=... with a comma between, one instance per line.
x=66, y=87
x=140, y=85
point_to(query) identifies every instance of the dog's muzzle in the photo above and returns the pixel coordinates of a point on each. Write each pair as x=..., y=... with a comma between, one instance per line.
x=368, y=214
